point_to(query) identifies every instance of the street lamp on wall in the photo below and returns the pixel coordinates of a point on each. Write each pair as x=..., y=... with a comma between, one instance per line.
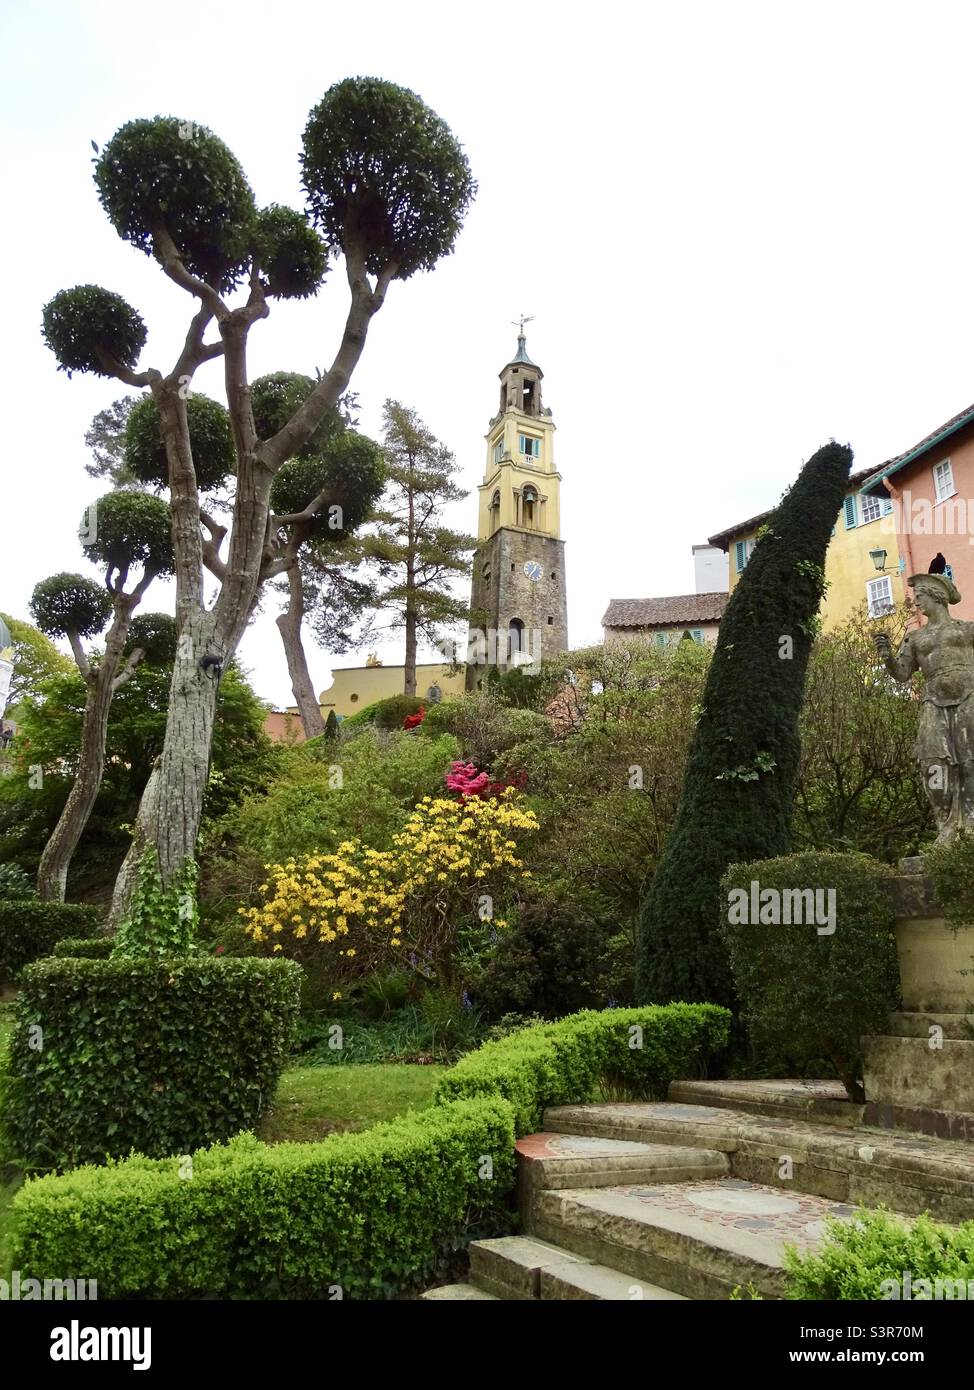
x=878, y=558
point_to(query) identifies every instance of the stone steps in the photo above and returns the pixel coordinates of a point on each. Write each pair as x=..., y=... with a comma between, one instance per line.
x=858, y=1165
x=702, y=1240
x=523, y=1269
x=699, y=1195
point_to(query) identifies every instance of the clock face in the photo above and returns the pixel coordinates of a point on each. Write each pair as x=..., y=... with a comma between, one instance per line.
x=532, y=569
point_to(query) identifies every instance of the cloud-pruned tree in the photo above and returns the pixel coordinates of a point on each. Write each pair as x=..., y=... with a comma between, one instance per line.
x=387, y=188
x=127, y=531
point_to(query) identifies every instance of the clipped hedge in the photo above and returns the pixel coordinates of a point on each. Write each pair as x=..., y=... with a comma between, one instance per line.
x=870, y=1258
x=813, y=989
x=90, y=948
x=386, y=714
x=30, y=928
x=159, y=1056
x=639, y=1050
x=367, y=1214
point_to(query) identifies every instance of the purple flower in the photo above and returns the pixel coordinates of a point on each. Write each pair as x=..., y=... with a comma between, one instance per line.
x=466, y=1001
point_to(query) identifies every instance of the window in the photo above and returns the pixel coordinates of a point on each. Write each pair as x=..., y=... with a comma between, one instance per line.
x=742, y=553
x=529, y=446
x=660, y=639
x=879, y=595
x=943, y=480
x=551, y=622
x=499, y=449
x=697, y=634
x=872, y=509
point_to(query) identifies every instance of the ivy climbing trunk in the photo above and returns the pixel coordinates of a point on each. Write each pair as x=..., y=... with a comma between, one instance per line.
x=738, y=791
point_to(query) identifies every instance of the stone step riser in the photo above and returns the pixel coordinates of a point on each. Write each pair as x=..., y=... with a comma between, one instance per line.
x=523, y=1269
x=849, y=1168
x=672, y=1260
x=818, y=1111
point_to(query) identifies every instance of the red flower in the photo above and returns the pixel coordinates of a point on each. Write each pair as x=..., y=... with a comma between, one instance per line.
x=413, y=720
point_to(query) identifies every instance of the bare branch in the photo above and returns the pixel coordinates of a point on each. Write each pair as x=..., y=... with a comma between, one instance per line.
x=78, y=652
x=127, y=671
x=305, y=420
x=114, y=368
x=169, y=256
x=211, y=547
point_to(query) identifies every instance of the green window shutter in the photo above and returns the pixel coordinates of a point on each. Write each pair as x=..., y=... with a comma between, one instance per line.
x=697, y=634
x=850, y=512
x=887, y=506
x=740, y=556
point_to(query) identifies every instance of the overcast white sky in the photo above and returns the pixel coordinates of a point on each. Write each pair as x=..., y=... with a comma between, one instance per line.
x=742, y=229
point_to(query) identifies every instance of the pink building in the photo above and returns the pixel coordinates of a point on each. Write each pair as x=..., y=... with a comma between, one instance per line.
x=931, y=487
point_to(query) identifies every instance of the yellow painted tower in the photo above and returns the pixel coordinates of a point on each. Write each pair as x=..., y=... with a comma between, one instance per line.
x=518, y=597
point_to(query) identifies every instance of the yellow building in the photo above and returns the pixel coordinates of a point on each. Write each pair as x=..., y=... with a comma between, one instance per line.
x=862, y=563
x=355, y=687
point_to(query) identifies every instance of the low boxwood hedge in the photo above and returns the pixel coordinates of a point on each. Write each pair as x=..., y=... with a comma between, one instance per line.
x=30, y=928
x=811, y=989
x=638, y=1050
x=386, y=714
x=356, y=1216
x=368, y=1214
x=156, y=1056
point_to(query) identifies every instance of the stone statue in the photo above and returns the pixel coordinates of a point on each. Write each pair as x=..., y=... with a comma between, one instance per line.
x=943, y=649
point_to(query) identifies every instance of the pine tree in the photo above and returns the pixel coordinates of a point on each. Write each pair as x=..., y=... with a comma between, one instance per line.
x=411, y=546
x=738, y=792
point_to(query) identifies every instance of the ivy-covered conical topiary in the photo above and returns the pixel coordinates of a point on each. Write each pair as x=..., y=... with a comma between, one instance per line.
x=738, y=790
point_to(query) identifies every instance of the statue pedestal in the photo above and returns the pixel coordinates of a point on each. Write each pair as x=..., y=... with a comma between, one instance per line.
x=920, y=1076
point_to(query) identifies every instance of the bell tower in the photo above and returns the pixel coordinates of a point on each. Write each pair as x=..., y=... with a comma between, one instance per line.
x=519, y=612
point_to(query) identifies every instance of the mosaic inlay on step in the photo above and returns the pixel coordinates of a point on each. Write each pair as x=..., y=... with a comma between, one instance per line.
x=793, y=1216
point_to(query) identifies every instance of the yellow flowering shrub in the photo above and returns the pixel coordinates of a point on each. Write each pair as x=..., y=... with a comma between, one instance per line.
x=427, y=903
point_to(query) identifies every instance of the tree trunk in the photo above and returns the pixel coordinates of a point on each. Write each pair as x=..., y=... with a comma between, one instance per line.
x=409, y=687
x=52, y=872
x=289, y=623
x=128, y=874
x=172, y=803
x=185, y=763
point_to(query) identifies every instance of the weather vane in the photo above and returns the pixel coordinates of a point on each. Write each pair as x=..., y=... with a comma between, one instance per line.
x=519, y=323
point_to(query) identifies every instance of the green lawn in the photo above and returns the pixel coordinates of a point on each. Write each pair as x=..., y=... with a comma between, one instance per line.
x=312, y=1102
